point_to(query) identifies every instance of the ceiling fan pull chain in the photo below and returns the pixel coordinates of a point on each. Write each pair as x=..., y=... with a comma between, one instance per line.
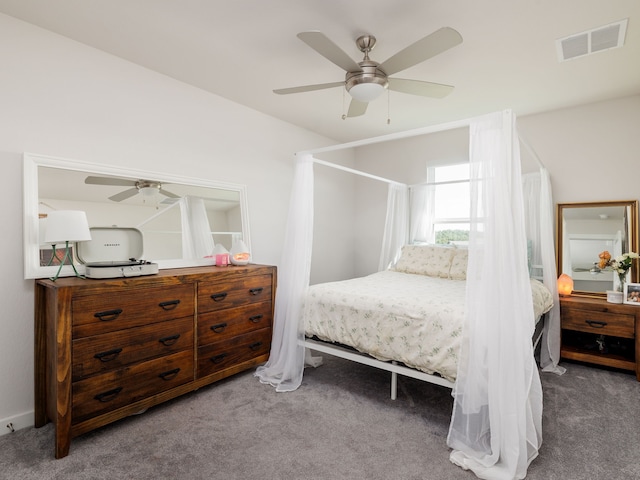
x=388, y=107
x=344, y=115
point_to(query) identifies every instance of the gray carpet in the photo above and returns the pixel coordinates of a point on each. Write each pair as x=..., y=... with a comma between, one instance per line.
x=341, y=424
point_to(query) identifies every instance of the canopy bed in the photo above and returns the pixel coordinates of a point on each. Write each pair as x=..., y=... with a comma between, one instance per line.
x=496, y=422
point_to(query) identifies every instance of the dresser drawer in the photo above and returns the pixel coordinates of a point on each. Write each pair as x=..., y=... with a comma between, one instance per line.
x=126, y=308
x=601, y=322
x=220, y=355
x=233, y=293
x=220, y=326
x=109, y=391
x=114, y=350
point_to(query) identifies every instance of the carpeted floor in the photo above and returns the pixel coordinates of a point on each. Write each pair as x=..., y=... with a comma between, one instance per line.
x=341, y=424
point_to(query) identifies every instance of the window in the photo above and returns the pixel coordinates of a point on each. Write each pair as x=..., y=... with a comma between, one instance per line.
x=450, y=206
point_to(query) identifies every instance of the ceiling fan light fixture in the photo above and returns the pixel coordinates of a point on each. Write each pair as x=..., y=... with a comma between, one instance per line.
x=366, y=92
x=148, y=190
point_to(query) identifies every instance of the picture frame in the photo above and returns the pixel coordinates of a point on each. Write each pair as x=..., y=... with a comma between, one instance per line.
x=632, y=294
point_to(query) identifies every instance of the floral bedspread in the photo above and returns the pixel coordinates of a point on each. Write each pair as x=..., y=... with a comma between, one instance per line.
x=387, y=316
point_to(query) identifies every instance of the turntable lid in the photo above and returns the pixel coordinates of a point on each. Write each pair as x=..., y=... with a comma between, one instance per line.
x=109, y=245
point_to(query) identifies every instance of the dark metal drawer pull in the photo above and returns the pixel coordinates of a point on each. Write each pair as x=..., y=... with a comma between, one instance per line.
x=256, y=318
x=169, y=375
x=108, y=315
x=167, y=341
x=219, y=328
x=170, y=305
x=596, y=323
x=218, y=358
x=108, y=356
x=255, y=346
x=108, y=396
x=256, y=291
x=218, y=297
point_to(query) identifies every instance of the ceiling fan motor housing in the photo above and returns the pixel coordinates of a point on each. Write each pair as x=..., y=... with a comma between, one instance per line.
x=370, y=74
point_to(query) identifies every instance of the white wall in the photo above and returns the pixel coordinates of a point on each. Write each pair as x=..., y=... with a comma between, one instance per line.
x=590, y=151
x=64, y=99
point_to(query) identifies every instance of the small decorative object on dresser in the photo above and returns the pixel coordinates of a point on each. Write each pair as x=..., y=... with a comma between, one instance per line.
x=632, y=293
x=106, y=349
x=596, y=331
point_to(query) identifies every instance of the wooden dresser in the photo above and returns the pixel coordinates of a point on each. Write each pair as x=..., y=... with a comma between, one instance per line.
x=599, y=332
x=106, y=349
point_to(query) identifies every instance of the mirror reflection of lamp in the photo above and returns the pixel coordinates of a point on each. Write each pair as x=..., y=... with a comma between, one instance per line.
x=64, y=226
x=239, y=254
x=565, y=285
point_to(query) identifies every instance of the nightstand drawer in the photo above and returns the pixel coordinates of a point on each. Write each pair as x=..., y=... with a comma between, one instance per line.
x=605, y=323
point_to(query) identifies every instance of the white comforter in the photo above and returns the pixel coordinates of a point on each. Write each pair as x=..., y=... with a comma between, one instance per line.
x=387, y=316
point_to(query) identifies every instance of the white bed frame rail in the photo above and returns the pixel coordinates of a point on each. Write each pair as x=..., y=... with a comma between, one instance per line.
x=393, y=367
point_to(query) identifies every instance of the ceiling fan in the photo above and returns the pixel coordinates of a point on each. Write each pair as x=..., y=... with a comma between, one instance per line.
x=595, y=270
x=144, y=187
x=366, y=80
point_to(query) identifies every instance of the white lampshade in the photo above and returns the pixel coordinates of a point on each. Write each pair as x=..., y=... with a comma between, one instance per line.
x=66, y=226
x=366, y=92
x=219, y=249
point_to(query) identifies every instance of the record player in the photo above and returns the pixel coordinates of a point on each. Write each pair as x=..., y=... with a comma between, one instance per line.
x=114, y=252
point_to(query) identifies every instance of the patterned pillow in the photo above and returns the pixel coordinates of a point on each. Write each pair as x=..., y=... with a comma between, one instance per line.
x=427, y=260
x=458, y=269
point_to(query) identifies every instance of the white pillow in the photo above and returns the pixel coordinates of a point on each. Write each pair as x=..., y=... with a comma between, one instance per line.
x=458, y=269
x=430, y=260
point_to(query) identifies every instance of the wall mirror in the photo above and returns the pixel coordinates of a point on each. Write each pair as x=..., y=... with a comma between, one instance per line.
x=162, y=207
x=586, y=229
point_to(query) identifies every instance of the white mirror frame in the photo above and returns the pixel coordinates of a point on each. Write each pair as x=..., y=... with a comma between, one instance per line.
x=31, y=247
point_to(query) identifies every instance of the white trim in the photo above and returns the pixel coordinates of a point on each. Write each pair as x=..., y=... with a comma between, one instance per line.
x=17, y=422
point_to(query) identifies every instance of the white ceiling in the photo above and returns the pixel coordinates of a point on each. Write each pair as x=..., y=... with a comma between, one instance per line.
x=243, y=49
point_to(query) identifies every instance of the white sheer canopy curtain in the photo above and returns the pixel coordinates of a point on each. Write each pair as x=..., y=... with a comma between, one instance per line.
x=422, y=199
x=396, y=228
x=197, y=241
x=285, y=366
x=538, y=206
x=496, y=425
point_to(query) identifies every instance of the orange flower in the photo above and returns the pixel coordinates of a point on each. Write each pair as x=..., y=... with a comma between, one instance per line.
x=604, y=259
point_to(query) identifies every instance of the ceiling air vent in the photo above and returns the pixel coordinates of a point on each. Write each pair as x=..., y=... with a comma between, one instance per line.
x=592, y=41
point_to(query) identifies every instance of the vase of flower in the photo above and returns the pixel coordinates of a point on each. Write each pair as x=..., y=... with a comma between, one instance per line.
x=621, y=265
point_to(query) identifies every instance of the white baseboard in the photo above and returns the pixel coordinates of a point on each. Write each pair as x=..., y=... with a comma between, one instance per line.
x=17, y=422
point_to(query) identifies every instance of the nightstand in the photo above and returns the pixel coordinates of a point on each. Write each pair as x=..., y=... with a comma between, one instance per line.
x=596, y=331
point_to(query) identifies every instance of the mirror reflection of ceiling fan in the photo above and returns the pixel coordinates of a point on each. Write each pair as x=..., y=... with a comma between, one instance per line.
x=367, y=80
x=595, y=270
x=142, y=187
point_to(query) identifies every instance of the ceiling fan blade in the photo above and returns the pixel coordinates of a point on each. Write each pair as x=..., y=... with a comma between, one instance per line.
x=118, y=197
x=357, y=108
x=418, y=87
x=430, y=46
x=120, y=182
x=308, y=88
x=168, y=194
x=329, y=50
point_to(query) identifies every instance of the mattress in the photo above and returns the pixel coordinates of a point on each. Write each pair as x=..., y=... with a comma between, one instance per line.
x=388, y=316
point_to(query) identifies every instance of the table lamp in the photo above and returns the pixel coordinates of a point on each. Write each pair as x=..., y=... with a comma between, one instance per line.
x=66, y=226
x=565, y=285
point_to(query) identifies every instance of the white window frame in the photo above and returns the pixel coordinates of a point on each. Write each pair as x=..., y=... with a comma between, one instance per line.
x=431, y=175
